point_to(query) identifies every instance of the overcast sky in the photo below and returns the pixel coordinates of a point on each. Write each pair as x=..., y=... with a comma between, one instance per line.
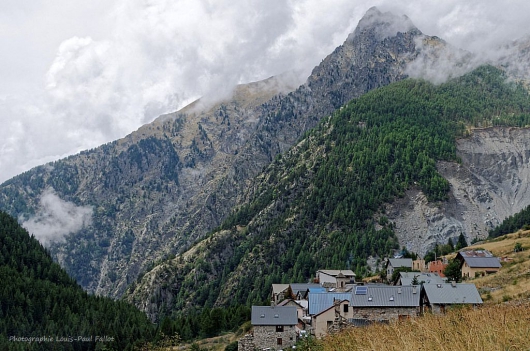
x=77, y=74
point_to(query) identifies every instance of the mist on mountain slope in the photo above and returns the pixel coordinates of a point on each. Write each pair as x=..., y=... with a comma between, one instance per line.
x=79, y=83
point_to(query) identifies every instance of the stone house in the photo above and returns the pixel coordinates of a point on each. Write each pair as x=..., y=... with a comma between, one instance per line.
x=394, y=263
x=381, y=303
x=274, y=327
x=301, y=307
x=477, y=263
x=437, y=298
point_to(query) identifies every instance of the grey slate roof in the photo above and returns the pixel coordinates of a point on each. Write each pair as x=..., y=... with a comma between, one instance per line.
x=400, y=262
x=381, y=297
x=278, y=315
x=444, y=294
x=321, y=301
x=479, y=259
x=427, y=278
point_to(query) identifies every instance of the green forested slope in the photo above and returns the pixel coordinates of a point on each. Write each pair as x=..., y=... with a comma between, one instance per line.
x=38, y=298
x=316, y=206
x=520, y=220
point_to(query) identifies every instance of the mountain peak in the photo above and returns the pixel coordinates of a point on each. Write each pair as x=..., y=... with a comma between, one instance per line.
x=383, y=24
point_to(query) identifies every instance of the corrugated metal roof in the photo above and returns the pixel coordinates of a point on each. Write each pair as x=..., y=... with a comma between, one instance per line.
x=387, y=296
x=406, y=278
x=483, y=262
x=278, y=315
x=400, y=262
x=447, y=294
x=317, y=290
x=319, y=302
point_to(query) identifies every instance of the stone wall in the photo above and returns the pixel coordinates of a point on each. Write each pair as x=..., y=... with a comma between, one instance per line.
x=266, y=336
x=246, y=343
x=377, y=314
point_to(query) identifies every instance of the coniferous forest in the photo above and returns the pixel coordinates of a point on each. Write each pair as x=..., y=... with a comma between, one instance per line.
x=38, y=299
x=320, y=204
x=520, y=220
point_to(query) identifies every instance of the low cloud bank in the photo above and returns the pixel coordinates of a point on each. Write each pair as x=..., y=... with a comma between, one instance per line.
x=57, y=218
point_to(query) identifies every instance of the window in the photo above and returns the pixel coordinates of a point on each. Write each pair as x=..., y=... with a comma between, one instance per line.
x=345, y=308
x=279, y=341
x=279, y=329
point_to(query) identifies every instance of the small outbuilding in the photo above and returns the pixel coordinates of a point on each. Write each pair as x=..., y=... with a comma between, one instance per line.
x=437, y=298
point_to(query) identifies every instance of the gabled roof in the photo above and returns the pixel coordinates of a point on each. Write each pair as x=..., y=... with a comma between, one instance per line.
x=330, y=307
x=303, y=287
x=336, y=272
x=278, y=315
x=278, y=288
x=387, y=296
x=319, y=302
x=406, y=278
x=400, y=262
x=446, y=294
x=479, y=259
x=301, y=303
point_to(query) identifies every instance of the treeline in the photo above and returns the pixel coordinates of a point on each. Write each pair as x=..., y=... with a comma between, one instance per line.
x=38, y=298
x=316, y=205
x=442, y=250
x=512, y=224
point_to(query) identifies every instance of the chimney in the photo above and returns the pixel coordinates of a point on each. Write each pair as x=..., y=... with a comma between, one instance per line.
x=414, y=289
x=399, y=290
x=453, y=284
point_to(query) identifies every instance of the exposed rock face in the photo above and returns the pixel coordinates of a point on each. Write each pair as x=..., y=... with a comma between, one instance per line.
x=490, y=184
x=158, y=190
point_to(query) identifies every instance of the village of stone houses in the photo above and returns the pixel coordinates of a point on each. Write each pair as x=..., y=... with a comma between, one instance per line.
x=335, y=300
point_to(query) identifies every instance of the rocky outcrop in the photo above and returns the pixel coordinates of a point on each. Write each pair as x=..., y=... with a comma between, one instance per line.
x=490, y=184
x=158, y=190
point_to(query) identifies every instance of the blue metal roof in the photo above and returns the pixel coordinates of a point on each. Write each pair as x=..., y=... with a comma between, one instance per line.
x=317, y=290
x=319, y=302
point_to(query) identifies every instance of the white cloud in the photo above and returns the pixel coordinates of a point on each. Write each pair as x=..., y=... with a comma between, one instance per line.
x=57, y=218
x=80, y=74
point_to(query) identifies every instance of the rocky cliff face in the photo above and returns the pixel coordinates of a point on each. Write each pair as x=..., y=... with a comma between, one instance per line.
x=156, y=191
x=490, y=184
